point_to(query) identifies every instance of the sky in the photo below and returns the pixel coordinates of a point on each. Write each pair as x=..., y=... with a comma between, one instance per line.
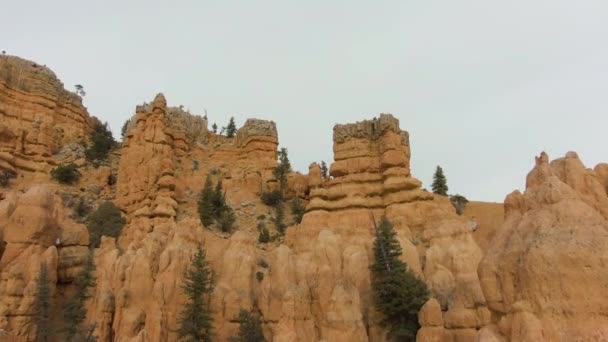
x=482, y=86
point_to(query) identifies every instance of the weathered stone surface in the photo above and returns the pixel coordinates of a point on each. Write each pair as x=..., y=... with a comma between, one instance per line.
x=548, y=261
x=37, y=116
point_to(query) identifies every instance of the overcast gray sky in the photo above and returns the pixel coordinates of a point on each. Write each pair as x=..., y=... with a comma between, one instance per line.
x=482, y=86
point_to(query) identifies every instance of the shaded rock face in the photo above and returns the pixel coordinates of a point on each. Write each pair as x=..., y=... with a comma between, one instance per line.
x=546, y=267
x=37, y=115
x=30, y=224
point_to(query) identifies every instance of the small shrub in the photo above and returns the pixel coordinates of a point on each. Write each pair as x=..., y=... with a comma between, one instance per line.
x=81, y=209
x=264, y=236
x=272, y=198
x=226, y=219
x=459, y=202
x=263, y=263
x=66, y=174
x=259, y=276
x=231, y=128
x=105, y=221
x=261, y=217
x=102, y=143
x=297, y=210
x=5, y=176
x=111, y=179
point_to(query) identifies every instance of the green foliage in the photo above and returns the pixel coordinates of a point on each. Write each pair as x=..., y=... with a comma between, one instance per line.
x=195, y=321
x=231, y=128
x=226, y=219
x=283, y=168
x=250, y=329
x=440, y=183
x=74, y=311
x=82, y=208
x=125, y=127
x=66, y=174
x=214, y=127
x=42, y=306
x=279, y=219
x=259, y=276
x=212, y=207
x=297, y=210
x=398, y=293
x=5, y=176
x=205, y=205
x=105, y=221
x=459, y=202
x=324, y=170
x=272, y=198
x=102, y=143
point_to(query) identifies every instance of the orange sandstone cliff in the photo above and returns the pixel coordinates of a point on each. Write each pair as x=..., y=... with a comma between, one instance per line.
x=533, y=271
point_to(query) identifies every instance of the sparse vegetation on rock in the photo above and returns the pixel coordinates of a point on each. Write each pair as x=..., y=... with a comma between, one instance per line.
x=250, y=327
x=66, y=174
x=125, y=127
x=213, y=208
x=459, y=202
x=272, y=198
x=101, y=143
x=440, y=183
x=324, y=170
x=195, y=321
x=105, y=221
x=231, y=128
x=75, y=311
x=43, y=306
x=5, y=177
x=297, y=210
x=398, y=293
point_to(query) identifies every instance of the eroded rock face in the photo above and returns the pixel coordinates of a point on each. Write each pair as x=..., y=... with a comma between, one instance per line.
x=37, y=116
x=31, y=224
x=545, y=268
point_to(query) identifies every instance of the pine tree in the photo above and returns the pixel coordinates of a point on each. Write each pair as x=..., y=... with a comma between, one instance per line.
x=440, y=183
x=231, y=128
x=324, y=170
x=102, y=143
x=214, y=127
x=42, y=306
x=125, y=127
x=279, y=218
x=75, y=312
x=297, y=210
x=195, y=322
x=218, y=200
x=205, y=203
x=398, y=293
x=283, y=168
x=250, y=329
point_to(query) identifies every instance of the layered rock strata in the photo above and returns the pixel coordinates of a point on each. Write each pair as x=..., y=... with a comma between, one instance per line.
x=37, y=116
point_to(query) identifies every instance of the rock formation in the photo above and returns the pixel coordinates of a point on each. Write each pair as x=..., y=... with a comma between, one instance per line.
x=546, y=268
x=37, y=116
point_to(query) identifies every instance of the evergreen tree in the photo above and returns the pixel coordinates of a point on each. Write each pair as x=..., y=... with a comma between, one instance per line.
x=324, y=171
x=125, y=126
x=205, y=203
x=218, y=200
x=102, y=143
x=440, y=183
x=297, y=210
x=226, y=218
x=195, y=322
x=107, y=220
x=250, y=329
x=279, y=218
x=231, y=128
x=214, y=127
x=42, y=306
x=283, y=168
x=75, y=312
x=398, y=293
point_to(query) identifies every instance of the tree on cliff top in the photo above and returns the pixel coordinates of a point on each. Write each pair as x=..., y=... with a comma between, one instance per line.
x=231, y=128
x=195, y=322
x=440, y=183
x=42, y=306
x=283, y=168
x=398, y=293
x=324, y=170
